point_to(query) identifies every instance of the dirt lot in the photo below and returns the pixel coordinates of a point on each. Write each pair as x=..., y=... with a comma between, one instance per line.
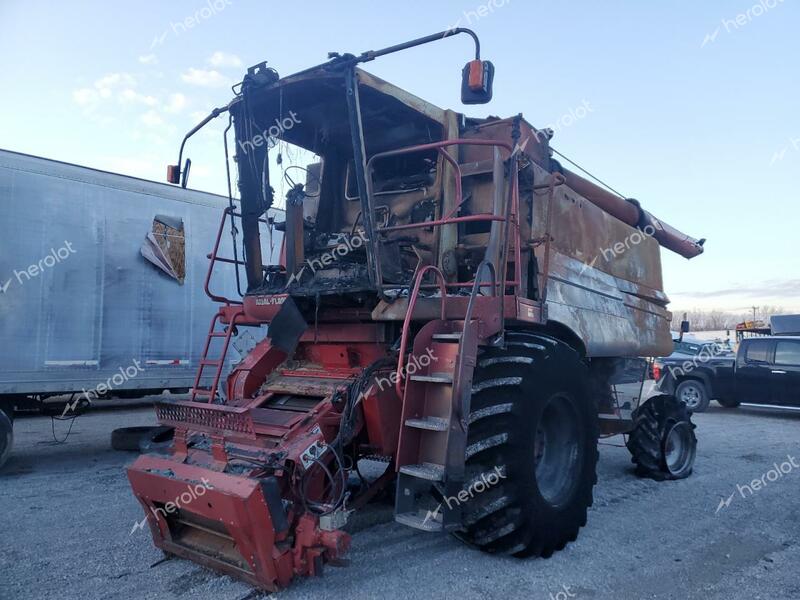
x=67, y=516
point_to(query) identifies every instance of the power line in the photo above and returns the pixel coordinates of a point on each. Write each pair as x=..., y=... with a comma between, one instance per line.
x=597, y=179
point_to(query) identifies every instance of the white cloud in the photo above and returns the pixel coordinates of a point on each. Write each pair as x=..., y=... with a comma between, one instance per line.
x=151, y=118
x=129, y=96
x=148, y=59
x=176, y=103
x=105, y=87
x=223, y=59
x=113, y=80
x=85, y=97
x=204, y=78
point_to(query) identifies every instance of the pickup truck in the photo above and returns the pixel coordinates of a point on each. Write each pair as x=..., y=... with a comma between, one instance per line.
x=765, y=370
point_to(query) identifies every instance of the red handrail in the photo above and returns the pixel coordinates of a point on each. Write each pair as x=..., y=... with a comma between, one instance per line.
x=460, y=412
x=412, y=302
x=213, y=258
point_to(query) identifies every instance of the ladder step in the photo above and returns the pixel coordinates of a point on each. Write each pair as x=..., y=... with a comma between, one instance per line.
x=201, y=392
x=426, y=521
x=429, y=471
x=218, y=334
x=210, y=363
x=447, y=337
x=434, y=378
x=428, y=423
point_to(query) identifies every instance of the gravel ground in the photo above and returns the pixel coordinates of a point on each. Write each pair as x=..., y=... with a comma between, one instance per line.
x=67, y=515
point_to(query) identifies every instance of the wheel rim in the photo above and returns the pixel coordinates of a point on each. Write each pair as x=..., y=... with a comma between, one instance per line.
x=690, y=396
x=679, y=448
x=557, y=447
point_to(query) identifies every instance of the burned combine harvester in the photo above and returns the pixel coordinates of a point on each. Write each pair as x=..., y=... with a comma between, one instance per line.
x=442, y=303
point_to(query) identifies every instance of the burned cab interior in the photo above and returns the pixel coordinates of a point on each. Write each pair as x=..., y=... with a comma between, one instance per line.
x=313, y=163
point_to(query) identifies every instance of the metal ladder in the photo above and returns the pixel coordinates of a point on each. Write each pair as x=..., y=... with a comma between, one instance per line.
x=232, y=311
x=225, y=313
x=436, y=398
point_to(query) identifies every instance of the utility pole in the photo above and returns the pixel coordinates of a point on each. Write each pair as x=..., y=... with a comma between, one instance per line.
x=754, y=312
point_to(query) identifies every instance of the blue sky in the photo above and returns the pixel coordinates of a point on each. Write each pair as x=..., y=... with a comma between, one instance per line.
x=691, y=107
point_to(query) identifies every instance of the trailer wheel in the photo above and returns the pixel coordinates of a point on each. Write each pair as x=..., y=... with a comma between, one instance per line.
x=531, y=450
x=159, y=439
x=6, y=437
x=663, y=444
x=131, y=439
x=693, y=393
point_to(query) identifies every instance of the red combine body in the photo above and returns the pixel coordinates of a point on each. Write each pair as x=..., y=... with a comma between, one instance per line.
x=444, y=302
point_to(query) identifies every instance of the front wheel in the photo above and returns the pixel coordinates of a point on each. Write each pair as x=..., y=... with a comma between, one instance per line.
x=662, y=443
x=693, y=394
x=533, y=439
x=6, y=437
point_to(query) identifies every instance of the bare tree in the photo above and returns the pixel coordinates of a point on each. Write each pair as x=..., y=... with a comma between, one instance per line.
x=708, y=320
x=718, y=320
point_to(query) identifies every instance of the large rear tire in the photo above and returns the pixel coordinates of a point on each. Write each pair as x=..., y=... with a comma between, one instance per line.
x=663, y=444
x=532, y=443
x=6, y=437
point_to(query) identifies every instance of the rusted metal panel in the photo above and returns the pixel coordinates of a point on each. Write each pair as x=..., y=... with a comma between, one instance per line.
x=609, y=321
x=589, y=234
x=532, y=141
x=422, y=106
